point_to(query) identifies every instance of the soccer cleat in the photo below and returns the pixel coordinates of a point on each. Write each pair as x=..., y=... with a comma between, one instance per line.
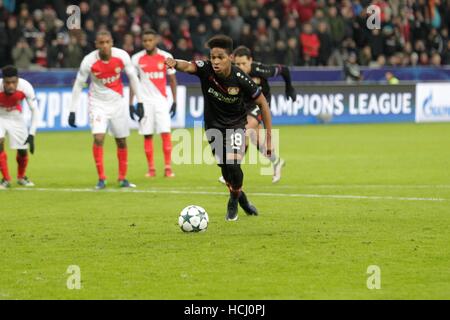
x=5, y=184
x=168, y=173
x=277, y=166
x=101, y=184
x=246, y=205
x=25, y=182
x=222, y=180
x=232, y=209
x=126, y=184
x=151, y=173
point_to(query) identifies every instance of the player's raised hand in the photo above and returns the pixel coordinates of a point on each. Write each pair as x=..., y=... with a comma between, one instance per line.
x=170, y=62
x=173, y=110
x=140, y=111
x=291, y=93
x=30, y=141
x=72, y=120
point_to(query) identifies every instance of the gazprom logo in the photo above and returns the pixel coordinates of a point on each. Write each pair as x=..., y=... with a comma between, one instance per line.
x=432, y=110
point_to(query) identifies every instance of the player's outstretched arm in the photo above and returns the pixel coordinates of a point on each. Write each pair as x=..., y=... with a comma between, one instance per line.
x=181, y=65
x=290, y=90
x=274, y=70
x=267, y=120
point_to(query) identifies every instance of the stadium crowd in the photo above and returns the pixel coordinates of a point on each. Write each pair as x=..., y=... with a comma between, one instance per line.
x=33, y=34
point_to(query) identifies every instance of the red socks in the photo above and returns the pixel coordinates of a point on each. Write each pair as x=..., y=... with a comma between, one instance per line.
x=22, y=162
x=148, y=148
x=98, y=157
x=167, y=149
x=122, y=155
x=4, y=166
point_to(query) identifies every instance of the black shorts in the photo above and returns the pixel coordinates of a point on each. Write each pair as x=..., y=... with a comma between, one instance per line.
x=226, y=141
x=255, y=112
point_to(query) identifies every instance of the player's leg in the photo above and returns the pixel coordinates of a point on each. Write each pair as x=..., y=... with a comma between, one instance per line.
x=6, y=178
x=18, y=134
x=120, y=130
x=235, y=150
x=97, y=151
x=277, y=162
x=251, y=126
x=146, y=129
x=99, y=124
x=162, y=117
x=148, y=149
x=22, y=163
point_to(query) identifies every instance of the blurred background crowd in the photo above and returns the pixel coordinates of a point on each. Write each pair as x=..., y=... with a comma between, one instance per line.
x=33, y=34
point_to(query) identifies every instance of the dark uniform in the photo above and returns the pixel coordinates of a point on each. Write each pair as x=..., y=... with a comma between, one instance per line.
x=260, y=73
x=224, y=110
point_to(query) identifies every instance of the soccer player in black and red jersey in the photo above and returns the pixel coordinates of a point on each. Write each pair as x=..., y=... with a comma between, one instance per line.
x=259, y=73
x=225, y=87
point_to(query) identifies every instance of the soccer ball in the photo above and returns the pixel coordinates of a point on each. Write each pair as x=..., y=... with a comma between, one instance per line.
x=193, y=219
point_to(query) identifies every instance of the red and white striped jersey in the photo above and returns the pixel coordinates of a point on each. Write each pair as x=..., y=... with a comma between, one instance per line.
x=13, y=102
x=106, y=83
x=152, y=73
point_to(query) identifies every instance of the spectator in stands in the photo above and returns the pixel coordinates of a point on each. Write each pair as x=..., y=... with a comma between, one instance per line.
x=337, y=26
x=413, y=31
x=390, y=78
x=247, y=38
x=352, y=72
x=40, y=52
x=56, y=54
x=305, y=10
x=365, y=56
x=380, y=62
x=326, y=44
x=436, y=59
x=73, y=54
x=310, y=44
x=22, y=54
x=376, y=43
x=182, y=50
x=274, y=32
x=293, y=54
x=446, y=56
x=263, y=50
x=291, y=29
x=199, y=39
x=236, y=23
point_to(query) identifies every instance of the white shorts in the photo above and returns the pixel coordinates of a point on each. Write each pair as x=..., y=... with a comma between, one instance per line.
x=13, y=124
x=115, y=119
x=156, y=118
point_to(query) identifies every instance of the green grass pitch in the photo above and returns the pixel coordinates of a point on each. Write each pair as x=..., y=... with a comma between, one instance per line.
x=351, y=196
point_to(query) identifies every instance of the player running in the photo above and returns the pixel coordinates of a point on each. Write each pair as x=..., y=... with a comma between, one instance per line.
x=107, y=108
x=260, y=73
x=13, y=90
x=152, y=71
x=225, y=87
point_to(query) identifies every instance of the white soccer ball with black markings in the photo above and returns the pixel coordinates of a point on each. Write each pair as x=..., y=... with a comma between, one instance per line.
x=193, y=219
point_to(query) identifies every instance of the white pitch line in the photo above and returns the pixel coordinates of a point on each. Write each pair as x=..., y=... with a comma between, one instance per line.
x=262, y=194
